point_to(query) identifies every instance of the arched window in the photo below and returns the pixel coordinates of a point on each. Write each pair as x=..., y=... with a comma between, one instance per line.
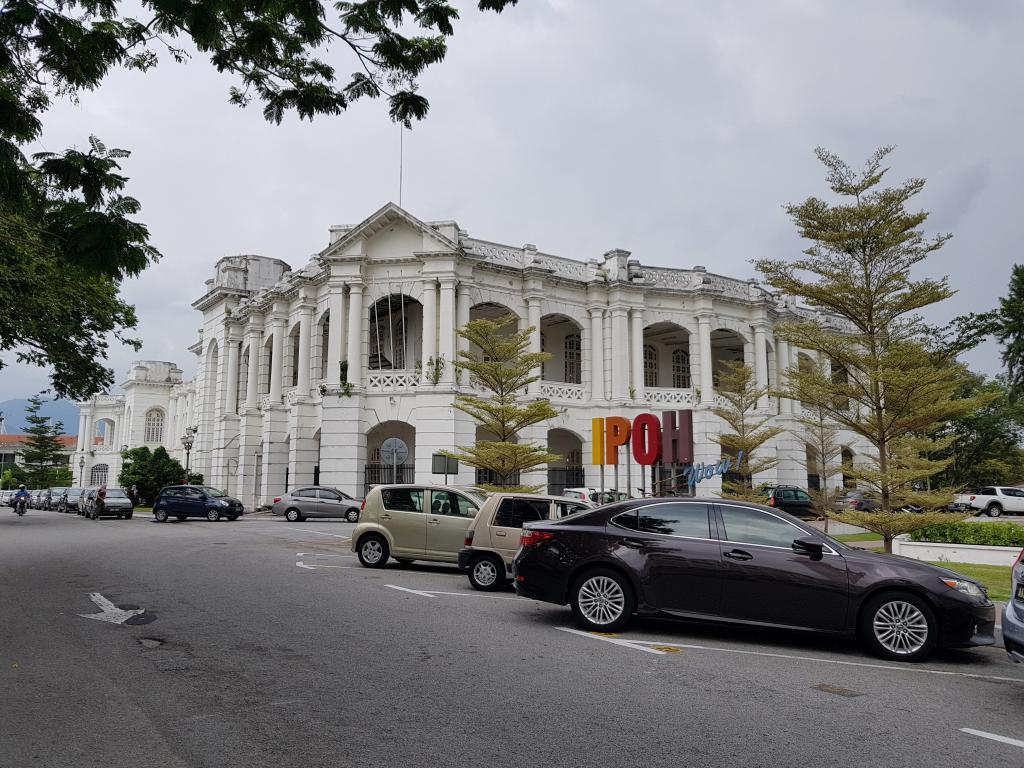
x=98, y=475
x=154, y=432
x=681, y=369
x=650, y=366
x=573, y=359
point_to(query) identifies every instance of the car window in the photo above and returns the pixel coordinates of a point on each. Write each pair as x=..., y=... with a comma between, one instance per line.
x=566, y=508
x=512, y=513
x=987, y=492
x=329, y=495
x=751, y=526
x=802, y=495
x=402, y=499
x=305, y=493
x=675, y=519
x=626, y=520
x=343, y=495
x=194, y=493
x=450, y=503
x=215, y=493
x=789, y=495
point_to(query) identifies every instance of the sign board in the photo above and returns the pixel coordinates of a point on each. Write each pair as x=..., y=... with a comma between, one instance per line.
x=394, y=451
x=443, y=465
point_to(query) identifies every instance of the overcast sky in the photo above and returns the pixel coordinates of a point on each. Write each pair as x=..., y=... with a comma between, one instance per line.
x=674, y=129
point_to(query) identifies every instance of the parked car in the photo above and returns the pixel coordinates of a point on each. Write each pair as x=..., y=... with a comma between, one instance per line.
x=792, y=499
x=68, y=501
x=746, y=564
x=184, y=501
x=83, y=498
x=115, y=504
x=994, y=500
x=5, y=498
x=52, y=498
x=317, y=501
x=35, y=499
x=853, y=499
x=1013, y=613
x=596, y=495
x=414, y=522
x=493, y=536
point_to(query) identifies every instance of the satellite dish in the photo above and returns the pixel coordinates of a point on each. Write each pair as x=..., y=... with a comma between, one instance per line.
x=394, y=451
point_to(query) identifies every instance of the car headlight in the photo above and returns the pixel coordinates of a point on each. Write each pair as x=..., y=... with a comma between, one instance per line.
x=220, y=503
x=962, y=585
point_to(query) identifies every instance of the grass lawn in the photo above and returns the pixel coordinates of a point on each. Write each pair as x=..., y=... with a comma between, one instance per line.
x=995, y=577
x=866, y=536
x=144, y=510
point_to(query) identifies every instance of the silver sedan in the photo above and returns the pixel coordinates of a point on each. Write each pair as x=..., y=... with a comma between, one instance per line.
x=317, y=501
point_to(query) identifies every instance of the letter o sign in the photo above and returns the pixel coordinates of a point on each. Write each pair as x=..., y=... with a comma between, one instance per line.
x=646, y=439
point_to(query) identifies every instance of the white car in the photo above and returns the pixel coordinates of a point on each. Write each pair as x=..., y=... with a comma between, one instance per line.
x=596, y=495
x=994, y=500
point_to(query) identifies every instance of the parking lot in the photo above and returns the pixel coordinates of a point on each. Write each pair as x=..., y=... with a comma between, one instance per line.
x=263, y=642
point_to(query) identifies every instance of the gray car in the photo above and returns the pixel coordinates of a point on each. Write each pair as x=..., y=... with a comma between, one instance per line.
x=1013, y=613
x=317, y=501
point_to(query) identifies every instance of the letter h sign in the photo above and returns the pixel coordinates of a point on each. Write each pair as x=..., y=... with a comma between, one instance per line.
x=669, y=440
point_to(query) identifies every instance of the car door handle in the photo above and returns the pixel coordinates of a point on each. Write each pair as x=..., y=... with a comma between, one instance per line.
x=385, y=517
x=738, y=554
x=433, y=521
x=500, y=533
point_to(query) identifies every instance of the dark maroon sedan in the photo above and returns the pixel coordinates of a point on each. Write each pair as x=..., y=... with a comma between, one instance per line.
x=746, y=564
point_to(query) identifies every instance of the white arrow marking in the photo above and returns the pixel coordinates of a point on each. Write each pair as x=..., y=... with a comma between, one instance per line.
x=413, y=591
x=110, y=612
x=613, y=641
x=301, y=564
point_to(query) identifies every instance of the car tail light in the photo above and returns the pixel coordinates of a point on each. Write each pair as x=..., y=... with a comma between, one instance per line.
x=468, y=541
x=277, y=499
x=528, y=538
x=771, y=500
x=362, y=506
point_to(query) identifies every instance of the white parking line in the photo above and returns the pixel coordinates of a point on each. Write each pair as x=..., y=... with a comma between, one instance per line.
x=319, y=554
x=638, y=645
x=322, y=533
x=994, y=737
x=313, y=566
x=435, y=593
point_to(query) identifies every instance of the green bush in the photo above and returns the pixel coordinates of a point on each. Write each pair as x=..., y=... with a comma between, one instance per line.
x=988, y=534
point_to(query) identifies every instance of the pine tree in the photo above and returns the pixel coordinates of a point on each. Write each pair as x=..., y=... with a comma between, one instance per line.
x=895, y=390
x=741, y=394
x=503, y=368
x=1010, y=330
x=820, y=433
x=43, y=454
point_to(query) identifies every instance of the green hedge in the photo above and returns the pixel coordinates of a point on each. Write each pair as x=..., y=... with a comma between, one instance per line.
x=989, y=534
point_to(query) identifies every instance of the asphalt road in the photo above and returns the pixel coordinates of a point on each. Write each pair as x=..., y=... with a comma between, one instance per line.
x=250, y=660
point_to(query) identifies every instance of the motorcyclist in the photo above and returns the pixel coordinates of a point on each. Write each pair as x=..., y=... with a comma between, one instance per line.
x=20, y=496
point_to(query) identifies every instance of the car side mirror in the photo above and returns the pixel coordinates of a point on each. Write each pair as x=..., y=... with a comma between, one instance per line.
x=809, y=546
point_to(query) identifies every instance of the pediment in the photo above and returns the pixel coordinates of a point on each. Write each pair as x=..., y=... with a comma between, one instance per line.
x=389, y=232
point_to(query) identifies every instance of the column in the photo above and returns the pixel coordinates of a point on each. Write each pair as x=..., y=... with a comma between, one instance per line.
x=782, y=358
x=335, y=332
x=533, y=321
x=81, y=431
x=172, y=418
x=87, y=441
x=462, y=306
x=231, y=399
x=252, y=382
x=620, y=343
x=429, y=327
x=636, y=321
x=305, y=327
x=277, y=325
x=707, y=380
x=597, y=354
x=761, y=362
x=446, y=340
x=354, y=356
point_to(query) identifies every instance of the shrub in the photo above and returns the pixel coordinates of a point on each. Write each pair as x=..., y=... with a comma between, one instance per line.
x=988, y=534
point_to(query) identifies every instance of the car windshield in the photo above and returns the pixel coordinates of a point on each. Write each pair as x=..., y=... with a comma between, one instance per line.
x=213, y=492
x=116, y=493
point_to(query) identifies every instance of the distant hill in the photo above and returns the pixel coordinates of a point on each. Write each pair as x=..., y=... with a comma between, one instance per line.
x=58, y=410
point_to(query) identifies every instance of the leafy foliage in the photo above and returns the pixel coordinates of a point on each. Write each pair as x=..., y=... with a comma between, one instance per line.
x=749, y=432
x=46, y=463
x=504, y=368
x=149, y=471
x=1010, y=329
x=893, y=391
x=892, y=524
x=65, y=222
x=987, y=534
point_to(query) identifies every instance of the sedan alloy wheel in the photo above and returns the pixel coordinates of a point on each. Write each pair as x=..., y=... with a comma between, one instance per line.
x=899, y=626
x=602, y=600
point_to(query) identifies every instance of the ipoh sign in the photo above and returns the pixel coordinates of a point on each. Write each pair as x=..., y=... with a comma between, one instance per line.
x=653, y=440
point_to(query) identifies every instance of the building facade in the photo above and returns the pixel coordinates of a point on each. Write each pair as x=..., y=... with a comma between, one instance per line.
x=302, y=375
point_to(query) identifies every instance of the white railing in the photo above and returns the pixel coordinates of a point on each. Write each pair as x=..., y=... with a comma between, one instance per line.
x=389, y=381
x=558, y=390
x=666, y=396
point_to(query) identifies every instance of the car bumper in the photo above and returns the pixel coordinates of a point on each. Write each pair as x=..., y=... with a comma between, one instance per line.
x=464, y=555
x=1013, y=630
x=109, y=510
x=969, y=626
x=534, y=580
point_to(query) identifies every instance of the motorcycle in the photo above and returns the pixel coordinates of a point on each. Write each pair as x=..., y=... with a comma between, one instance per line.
x=19, y=507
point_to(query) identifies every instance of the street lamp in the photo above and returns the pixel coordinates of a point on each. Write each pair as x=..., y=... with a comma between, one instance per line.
x=187, y=441
x=81, y=471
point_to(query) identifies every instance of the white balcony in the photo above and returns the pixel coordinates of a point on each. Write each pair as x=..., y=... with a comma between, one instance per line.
x=562, y=392
x=392, y=380
x=669, y=396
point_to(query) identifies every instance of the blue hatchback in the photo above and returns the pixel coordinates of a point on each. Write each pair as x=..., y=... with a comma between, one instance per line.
x=1013, y=613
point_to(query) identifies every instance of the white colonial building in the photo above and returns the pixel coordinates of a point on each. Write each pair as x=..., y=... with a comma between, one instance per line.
x=303, y=374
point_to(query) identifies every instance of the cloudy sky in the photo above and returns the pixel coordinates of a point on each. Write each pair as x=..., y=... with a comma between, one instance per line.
x=676, y=130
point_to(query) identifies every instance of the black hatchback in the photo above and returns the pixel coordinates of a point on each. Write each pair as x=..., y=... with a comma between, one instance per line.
x=744, y=563
x=184, y=501
x=789, y=498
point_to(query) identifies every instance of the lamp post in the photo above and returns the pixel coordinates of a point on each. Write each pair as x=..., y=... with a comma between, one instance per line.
x=187, y=441
x=81, y=471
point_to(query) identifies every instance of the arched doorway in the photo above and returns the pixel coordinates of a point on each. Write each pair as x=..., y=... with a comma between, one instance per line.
x=98, y=474
x=382, y=468
x=666, y=357
x=561, y=337
x=396, y=333
x=726, y=350
x=567, y=472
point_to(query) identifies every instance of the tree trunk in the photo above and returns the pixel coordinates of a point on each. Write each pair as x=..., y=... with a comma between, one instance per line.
x=888, y=545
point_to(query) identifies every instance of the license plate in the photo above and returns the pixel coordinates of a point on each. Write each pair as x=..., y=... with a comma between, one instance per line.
x=1020, y=591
